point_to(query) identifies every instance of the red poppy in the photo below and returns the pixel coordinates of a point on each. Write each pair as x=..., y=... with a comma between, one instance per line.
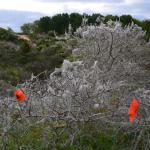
x=20, y=96
x=133, y=109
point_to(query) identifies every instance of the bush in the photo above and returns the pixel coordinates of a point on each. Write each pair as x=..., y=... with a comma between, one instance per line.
x=6, y=35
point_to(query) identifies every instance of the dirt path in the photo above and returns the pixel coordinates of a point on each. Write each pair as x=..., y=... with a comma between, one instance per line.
x=24, y=37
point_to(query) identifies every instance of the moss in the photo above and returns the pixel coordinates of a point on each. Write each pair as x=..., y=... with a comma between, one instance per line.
x=73, y=58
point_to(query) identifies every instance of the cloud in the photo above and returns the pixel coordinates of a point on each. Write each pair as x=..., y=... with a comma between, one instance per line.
x=136, y=1
x=14, y=13
x=138, y=10
x=82, y=1
x=14, y=19
x=51, y=7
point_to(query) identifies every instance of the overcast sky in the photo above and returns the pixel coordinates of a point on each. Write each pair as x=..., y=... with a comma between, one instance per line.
x=13, y=13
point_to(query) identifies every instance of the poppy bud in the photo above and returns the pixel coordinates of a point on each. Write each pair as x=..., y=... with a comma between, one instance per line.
x=20, y=96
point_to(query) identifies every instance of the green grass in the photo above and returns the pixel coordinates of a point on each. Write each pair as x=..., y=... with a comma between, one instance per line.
x=90, y=136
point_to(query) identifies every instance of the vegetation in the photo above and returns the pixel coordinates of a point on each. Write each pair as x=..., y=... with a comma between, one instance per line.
x=20, y=57
x=60, y=23
x=42, y=51
x=78, y=86
x=90, y=137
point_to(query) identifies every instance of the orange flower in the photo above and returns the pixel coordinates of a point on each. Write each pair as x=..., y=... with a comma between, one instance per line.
x=20, y=96
x=133, y=109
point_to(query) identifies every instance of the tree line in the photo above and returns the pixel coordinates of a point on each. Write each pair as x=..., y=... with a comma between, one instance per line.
x=60, y=23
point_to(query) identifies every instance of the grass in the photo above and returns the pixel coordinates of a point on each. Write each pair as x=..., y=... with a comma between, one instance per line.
x=47, y=136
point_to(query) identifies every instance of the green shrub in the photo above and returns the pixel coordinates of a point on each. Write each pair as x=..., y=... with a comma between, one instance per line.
x=6, y=35
x=73, y=58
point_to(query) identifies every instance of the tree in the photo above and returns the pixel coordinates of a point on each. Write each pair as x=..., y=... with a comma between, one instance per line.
x=75, y=20
x=146, y=27
x=35, y=27
x=45, y=24
x=126, y=19
x=60, y=23
x=27, y=28
x=111, y=17
x=93, y=17
x=65, y=22
x=138, y=22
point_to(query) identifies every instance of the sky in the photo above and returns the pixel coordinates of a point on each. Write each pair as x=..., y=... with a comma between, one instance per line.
x=14, y=13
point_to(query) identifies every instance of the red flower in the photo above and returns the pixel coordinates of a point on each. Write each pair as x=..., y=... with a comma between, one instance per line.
x=20, y=96
x=133, y=109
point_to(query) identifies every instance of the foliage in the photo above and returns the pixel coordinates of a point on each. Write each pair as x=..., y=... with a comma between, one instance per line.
x=111, y=17
x=126, y=19
x=146, y=27
x=44, y=24
x=6, y=35
x=22, y=57
x=83, y=104
x=92, y=18
x=60, y=23
x=27, y=28
x=44, y=136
